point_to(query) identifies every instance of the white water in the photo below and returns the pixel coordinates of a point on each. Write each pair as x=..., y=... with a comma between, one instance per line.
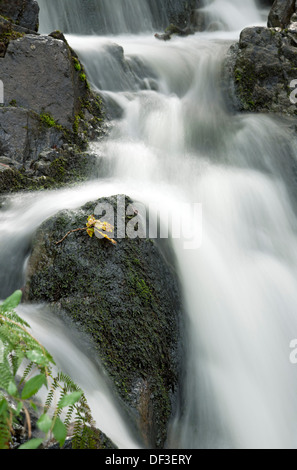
x=102, y=16
x=173, y=140
x=233, y=14
x=72, y=355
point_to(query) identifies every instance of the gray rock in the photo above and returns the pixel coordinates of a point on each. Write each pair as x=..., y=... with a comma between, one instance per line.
x=48, y=102
x=23, y=12
x=23, y=136
x=281, y=13
x=6, y=161
x=263, y=65
x=179, y=11
x=126, y=297
x=49, y=155
x=37, y=72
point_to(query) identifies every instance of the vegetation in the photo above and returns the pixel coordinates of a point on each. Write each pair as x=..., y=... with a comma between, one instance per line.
x=20, y=350
x=49, y=121
x=93, y=226
x=76, y=63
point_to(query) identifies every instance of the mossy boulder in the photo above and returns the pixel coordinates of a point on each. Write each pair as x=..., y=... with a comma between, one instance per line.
x=126, y=297
x=262, y=67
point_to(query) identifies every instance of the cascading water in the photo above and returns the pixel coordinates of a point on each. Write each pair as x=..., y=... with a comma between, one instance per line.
x=173, y=140
x=103, y=16
x=233, y=14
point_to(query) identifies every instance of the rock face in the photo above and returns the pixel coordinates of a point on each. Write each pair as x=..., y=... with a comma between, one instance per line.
x=263, y=67
x=126, y=297
x=47, y=101
x=38, y=74
x=281, y=13
x=22, y=12
x=31, y=137
x=179, y=11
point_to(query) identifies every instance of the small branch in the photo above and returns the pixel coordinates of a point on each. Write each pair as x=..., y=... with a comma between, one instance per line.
x=68, y=233
x=28, y=420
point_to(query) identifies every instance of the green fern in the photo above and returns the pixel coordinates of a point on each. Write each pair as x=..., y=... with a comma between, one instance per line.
x=19, y=348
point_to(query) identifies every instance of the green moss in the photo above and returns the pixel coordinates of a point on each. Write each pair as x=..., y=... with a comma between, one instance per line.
x=238, y=75
x=76, y=63
x=76, y=124
x=65, y=170
x=48, y=120
x=7, y=34
x=245, y=80
x=83, y=78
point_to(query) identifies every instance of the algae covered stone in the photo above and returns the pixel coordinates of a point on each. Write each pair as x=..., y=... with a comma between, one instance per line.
x=126, y=297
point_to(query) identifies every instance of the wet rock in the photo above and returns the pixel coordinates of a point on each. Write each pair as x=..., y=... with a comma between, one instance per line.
x=281, y=13
x=22, y=12
x=263, y=67
x=126, y=297
x=43, y=78
x=23, y=136
x=47, y=103
x=179, y=11
x=70, y=166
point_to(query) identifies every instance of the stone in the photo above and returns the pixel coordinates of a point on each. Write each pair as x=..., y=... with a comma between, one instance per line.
x=38, y=74
x=47, y=104
x=126, y=298
x=262, y=66
x=179, y=11
x=281, y=13
x=23, y=136
x=22, y=12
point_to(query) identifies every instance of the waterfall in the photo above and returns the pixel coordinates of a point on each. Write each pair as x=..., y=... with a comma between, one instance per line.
x=234, y=15
x=173, y=140
x=138, y=16
x=102, y=16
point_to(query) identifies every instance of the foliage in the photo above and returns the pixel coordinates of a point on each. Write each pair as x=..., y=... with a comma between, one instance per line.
x=20, y=350
x=76, y=63
x=93, y=226
x=48, y=120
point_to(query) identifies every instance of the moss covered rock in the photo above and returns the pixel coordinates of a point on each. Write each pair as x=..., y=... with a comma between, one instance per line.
x=262, y=67
x=126, y=297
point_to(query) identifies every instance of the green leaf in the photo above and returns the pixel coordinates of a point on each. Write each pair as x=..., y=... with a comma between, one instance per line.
x=60, y=431
x=3, y=406
x=19, y=408
x=70, y=399
x=33, y=385
x=44, y=423
x=32, y=444
x=12, y=388
x=12, y=302
x=50, y=357
x=33, y=405
x=38, y=357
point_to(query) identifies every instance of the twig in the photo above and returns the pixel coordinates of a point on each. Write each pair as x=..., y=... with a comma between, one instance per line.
x=68, y=233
